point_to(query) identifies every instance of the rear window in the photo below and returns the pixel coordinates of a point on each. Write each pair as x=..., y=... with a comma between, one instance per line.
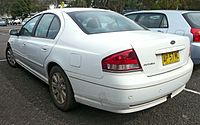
x=193, y=18
x=150, y=20
x=92, y=22
x=131, y=16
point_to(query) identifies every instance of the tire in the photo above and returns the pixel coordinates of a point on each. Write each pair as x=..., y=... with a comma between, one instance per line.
x=10, y=57
x=60, y=89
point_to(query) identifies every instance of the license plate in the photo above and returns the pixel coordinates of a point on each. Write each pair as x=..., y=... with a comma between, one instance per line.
x=171, y=57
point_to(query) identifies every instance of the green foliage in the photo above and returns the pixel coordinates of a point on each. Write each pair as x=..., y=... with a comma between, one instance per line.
x=131, y=4
x=78, y=3
x=88, y=3
x=5, y=6
x=22, y=8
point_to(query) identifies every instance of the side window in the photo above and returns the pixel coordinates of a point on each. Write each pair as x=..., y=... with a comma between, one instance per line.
x=164, y=23
x=27, y=29
x=132, y=16
x=153, y=20
x=54, y=28
x=43, y=25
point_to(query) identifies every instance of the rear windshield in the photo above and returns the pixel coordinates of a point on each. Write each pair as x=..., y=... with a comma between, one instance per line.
x=92, y=22
x=193, y=18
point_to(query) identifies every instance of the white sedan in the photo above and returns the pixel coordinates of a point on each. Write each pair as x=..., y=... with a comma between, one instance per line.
x=101, y=59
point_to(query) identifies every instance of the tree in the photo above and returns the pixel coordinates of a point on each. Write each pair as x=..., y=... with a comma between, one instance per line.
x=100, y=3
x=78, y=3
x=131, y=4
x=116, y=5
x=20, y=8
x=5, y=6
x=88, y=3
x=170, y=4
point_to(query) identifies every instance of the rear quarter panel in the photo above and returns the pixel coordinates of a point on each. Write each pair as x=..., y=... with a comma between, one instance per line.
x=178, y=25
x=80, y=54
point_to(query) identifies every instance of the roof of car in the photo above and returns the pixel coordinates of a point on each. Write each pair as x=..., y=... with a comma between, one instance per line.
x=73, y=9
x=162, y=11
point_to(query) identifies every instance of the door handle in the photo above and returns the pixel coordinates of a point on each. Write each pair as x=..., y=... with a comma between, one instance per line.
x=24, y=44
x=44, y=49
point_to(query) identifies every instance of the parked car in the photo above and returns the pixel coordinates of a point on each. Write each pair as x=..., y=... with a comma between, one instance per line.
x=185, y=23
x=101, y=58
x=3, y=22
x=25, y=20
x=10, y=22
x=17, y=21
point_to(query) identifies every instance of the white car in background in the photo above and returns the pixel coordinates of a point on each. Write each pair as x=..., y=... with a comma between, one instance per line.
x=185, y=23
x=17, y=21
x=101, y=58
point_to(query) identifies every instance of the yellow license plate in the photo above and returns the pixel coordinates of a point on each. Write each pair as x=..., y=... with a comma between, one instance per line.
x=171, y=57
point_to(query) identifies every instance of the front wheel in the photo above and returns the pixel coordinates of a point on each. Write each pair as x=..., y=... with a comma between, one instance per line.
x=60, y=89
x=10, y=57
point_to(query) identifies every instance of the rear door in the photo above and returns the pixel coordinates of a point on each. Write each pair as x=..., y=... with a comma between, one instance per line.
x=25, y=34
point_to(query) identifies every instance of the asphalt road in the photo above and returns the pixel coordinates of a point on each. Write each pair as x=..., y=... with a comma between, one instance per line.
x=25, y=100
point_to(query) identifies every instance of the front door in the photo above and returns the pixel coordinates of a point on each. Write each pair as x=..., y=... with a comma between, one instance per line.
x=38, y=48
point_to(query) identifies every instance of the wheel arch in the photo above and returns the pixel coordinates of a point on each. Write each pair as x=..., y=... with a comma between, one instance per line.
x=50, y=65
x=8, y=44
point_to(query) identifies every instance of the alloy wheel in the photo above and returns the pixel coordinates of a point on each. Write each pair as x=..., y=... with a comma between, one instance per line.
x=10, y=57
x=58, y=88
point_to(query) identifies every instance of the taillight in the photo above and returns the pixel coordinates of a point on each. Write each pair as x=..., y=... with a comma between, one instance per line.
x=123, y=61
x=196, y=34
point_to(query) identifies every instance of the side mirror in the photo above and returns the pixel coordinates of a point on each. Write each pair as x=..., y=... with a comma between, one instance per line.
x=14, y=32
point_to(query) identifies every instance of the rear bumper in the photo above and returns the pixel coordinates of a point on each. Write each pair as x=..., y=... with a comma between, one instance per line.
x=132, y=93
x=195, y=52
x=142, y=102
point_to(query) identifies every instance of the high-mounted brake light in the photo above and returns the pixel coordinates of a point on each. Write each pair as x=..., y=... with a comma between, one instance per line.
x=121, y=62
x=196, y=34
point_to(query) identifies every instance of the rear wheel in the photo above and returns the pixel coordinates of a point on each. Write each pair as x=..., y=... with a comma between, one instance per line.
x=60, y=89
x=10, y=57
